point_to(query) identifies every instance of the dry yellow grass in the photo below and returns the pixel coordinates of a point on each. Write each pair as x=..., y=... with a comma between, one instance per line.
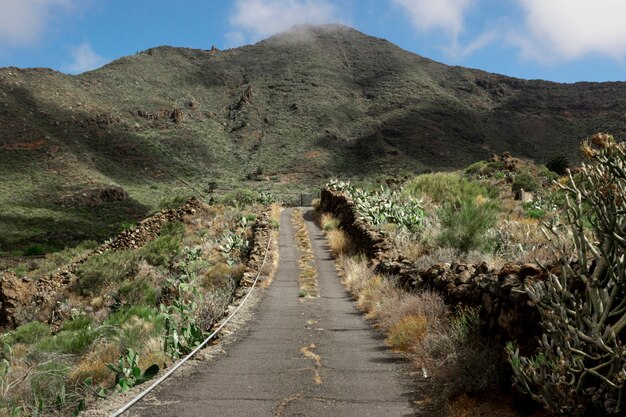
x=275, y=211
x=407, y=334
x=376, y=293
x=308, y=273
x=328, y=222
x=219, y=273
x=338, y=242
x=94, y=365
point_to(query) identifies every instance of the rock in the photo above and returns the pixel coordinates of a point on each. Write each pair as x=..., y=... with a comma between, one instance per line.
x=508, y=269
x=511, y=281
x=464, y=277
x=483, y=268
x=529, y=270
x=15, y=293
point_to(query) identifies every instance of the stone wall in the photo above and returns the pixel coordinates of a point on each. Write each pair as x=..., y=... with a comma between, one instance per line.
x=23, y=300
x=506, y=310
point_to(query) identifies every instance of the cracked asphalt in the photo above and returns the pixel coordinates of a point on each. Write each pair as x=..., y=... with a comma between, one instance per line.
x=297, y=357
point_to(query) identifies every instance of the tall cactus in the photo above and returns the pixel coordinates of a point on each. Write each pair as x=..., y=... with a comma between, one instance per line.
x=582, y=359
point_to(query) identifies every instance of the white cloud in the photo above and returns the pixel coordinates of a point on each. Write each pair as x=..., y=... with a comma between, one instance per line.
x=463, y=51
x=445, y=15
x=557, y=30
x=235, y=38
x=84, y=59
x=262, y=18
x=22, y=22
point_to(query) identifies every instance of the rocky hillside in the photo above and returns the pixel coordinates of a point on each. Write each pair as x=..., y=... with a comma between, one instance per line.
x=294, y=109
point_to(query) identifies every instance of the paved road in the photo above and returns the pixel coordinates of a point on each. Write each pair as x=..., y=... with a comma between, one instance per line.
x=299, y=357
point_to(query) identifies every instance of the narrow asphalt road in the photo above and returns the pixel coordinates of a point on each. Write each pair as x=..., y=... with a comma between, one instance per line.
x=299, y=357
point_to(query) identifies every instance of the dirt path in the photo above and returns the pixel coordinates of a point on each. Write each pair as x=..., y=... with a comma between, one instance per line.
x=299, y=357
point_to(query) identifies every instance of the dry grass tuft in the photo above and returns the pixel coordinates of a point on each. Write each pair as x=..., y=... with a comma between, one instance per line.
x=427, y=304
x=355, y=272
x=407, y=334
x=94, y=365
x=377, y=293
x=328, y=222
x=308, y=273
x=338, y=241
x=221, y=274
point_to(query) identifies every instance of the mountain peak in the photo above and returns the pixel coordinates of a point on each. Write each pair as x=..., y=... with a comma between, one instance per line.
x=307, y=32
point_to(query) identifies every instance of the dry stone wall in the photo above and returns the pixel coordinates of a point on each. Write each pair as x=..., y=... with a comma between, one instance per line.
x=23, y=300
x=506, y=310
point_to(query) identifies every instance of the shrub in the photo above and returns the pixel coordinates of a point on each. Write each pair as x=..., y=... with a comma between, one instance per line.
x=29, y=333
x=339, y=242
x=64, y=257
x=444, y=187
x=426, y=304
x=69, y=341
x=173, y=202
x=581, y=361
x=525, y=181
x=477, y=168
x=328, y=222
x=144, y=312
x=78, y=322
x=138, y=292
x=106, y=268
x=162, y=250
x=34, y=250
x=465, y=223
x=407, y=333
x=221, y=274
x=240, y=198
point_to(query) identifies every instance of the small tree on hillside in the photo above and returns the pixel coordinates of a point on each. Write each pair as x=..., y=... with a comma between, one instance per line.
x=582, y=359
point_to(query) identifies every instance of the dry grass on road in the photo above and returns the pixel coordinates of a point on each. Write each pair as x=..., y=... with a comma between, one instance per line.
x=308, y=273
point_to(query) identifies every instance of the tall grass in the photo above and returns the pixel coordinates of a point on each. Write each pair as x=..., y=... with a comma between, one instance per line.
x=445, y=187
x=466, y=222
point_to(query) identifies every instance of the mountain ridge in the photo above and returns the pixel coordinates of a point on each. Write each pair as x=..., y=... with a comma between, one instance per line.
x=292, y=110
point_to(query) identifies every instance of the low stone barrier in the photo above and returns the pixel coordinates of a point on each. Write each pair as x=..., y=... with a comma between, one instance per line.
x=23, y=300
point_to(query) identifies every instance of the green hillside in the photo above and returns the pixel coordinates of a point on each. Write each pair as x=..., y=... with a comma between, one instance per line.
x=284, y=115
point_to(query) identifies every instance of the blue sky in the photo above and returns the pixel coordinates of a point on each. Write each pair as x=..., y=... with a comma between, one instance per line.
x=558, y=40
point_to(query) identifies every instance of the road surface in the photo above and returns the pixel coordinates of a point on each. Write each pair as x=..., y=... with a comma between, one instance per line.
x=298, y=357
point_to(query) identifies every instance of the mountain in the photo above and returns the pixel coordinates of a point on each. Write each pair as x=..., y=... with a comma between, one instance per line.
x=81, y=154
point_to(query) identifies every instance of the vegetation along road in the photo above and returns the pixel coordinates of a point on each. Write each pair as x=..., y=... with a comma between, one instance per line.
x=302, y=355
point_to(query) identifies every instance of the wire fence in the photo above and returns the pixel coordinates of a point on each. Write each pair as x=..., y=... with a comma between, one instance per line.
x=200, y=346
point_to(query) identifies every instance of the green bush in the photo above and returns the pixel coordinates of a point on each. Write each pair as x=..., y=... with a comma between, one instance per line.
x=34, y=250
x=78, y=322
x=67, y=255
x=144, y=312
x=240, y=198
x=173, y=202
x=465, y=223
x=477, y=168
x=106, y=268
x=444, y=187
x=525, y=181
x=138, y=292
x=162, y=250
x=69, y=341
x=29, y=333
